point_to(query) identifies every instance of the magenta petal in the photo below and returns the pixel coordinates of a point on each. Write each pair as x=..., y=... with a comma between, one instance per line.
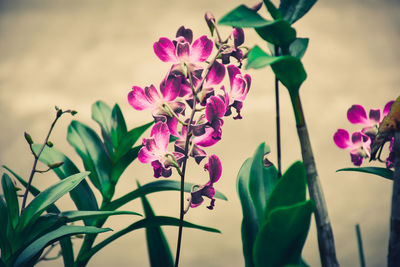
x=197, y=198
x=185, y=33
x=356, y=137
x=153, y=97
x=238, y=36
x=375, y=115
x=341, y=138
x=216, y=74
x=207, y=139
x=177, y=107
x=183, y=50
x=160, y=170
x=161, y=134
x=201, y=49
x=214, y=168
x=356, y=159
x=357, y=114
x=215, y=108
x=165, y=50
x=198, y=153
x=388, y=105
x=137, y=99
x=170, y=88
x=146, y=156
x=233, y=71
x=247, y=77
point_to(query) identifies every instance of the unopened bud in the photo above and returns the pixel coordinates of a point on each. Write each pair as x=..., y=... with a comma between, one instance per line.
x=74, y=112
x=59, y=113
x=210, y=19
x=257, y=6
x=55, y=165
x=57, y=108
x=49, y=144
x=28, y=138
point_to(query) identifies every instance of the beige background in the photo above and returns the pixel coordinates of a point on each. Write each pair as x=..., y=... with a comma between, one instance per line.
x=72, y=53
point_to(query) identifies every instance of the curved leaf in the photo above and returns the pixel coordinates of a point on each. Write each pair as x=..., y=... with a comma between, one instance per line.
x=4, y=242
x=152, y=187
x=122, y=163
x=47, y=198
x=101, y=113
x=249, y=227
x=243, y=17
x=30, y=251
x=289, y=190
x=90, y=148
x=275, y=13
x=72, y=216
x=118, y=126
x=10, y=195
x=298, y=47
x=157, y=245
x=82, y=195
x=292, y=10
x=282, y=237
x=278, y=32
x=383, y=172
x=153, y=222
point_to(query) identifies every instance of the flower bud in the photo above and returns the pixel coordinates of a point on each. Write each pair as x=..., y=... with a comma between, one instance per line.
x=28, y=138
x=55, y=164
x=257, y=6
x=210, y=19
x=49, y=144
x=74, y=112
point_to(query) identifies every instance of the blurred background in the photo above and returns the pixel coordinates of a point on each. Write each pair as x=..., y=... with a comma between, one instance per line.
x=73, y=53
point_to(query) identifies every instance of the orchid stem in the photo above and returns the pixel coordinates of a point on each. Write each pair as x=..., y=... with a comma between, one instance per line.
x=37, y=156
x=278, y=120
x=171, y=112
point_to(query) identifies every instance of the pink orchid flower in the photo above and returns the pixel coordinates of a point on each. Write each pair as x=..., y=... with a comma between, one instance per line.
x=214, y=168
x=154, y=150
x=359, y=146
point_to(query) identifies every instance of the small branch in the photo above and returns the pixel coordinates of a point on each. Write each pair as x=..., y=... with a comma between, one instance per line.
x=360, y=246
x=394, y=239
x=278, y=121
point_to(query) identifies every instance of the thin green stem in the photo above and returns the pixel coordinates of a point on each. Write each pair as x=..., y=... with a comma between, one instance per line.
x=278, y=120
x=360, y=246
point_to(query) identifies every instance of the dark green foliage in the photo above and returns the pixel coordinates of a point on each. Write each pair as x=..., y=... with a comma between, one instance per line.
x=382, y=172
x=293, y=10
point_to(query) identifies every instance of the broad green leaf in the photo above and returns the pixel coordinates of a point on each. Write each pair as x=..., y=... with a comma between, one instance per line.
x=10, y=195
x=298, y=47
x=34, y=248
x=282, y=237
x=383, y=172
x=152, y=187
x=157, y=245
x=122, y=163
x=292, y=10
x=249, y=227
x=278, y=32
x=153, y=222
x=118, y=126
x=101, y=113
x=289, y=190
x=275, y=13
x=82, y=195
x=288, y=69
x=5, y=245
x=90, y=148
x=262, y=180
x=72, y=216
x=47, y=198
x=243, y=17
x=67, y=251
x=130, y=139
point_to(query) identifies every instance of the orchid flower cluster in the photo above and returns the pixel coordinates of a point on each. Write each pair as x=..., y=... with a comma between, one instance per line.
x=360, y=142
x=194, y=81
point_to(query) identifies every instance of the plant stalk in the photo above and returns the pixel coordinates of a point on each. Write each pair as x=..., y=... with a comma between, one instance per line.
x=394, y=239
x=360, y=246
x=278, y=120
x=324, y=230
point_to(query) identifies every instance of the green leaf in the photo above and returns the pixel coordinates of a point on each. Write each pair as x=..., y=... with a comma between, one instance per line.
x=153, y=222
x=152, y=187
x=95, y=159
x=67, y=251
x=10, y=195
x=101, y=113
x=262, y=180
x=292, y=10
x=5, y=245
x=243, y=17
x=118, y=126
x=47, y=198
x=120, y=166
x=282, y=237
x=30, y=251
x=33, y=190
x=130, y=139
x=278, y=32
x=82, y=195
x=383, y=172
x=289, y=190
x=298, y=47
x=275, y=13
x=72, y=216
x=288, y=69
x=157, y=245
x=249, y=227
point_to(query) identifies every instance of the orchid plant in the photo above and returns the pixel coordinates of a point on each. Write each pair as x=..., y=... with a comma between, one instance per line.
x=190, y=107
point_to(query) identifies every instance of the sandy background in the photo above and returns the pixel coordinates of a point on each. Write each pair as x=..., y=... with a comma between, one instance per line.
x=72, y=53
